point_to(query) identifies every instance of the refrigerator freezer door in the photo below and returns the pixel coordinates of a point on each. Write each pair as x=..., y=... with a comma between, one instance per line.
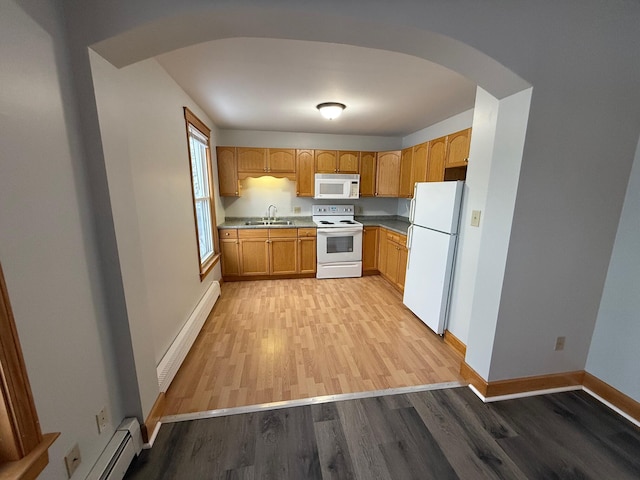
x=437, y=205
x=426, y=290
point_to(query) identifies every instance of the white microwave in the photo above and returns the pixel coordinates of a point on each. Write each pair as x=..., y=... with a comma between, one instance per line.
x=337, y=185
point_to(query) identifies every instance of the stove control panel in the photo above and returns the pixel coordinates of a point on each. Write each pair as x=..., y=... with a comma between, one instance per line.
x=332, y=209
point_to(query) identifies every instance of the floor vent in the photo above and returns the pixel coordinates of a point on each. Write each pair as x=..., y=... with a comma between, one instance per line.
x=176, y=354
x=123, y=447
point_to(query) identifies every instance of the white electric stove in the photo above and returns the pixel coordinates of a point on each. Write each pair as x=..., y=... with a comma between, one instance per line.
x=339, y=241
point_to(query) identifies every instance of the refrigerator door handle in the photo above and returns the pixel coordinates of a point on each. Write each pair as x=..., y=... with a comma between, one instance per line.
x=412, y=208
x=408, y=245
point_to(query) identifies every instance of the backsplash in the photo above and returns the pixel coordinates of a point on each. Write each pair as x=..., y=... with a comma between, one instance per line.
x=259, y=193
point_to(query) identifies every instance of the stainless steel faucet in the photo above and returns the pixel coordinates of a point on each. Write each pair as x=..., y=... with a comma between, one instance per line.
x=275, y=212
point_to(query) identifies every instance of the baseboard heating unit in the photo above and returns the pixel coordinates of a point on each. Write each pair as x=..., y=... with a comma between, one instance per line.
x=123, y=447
x=178, y=350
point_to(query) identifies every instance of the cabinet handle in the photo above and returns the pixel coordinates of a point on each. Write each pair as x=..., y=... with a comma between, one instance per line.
x=265, y=169
x=236, y=193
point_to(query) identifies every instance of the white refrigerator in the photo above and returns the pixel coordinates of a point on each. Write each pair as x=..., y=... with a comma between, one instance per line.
x=432, y=240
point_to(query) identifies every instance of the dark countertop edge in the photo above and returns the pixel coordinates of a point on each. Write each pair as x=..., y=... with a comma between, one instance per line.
x=394, y=223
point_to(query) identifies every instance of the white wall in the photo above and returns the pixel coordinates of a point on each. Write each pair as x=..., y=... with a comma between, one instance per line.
x=453, y=124
x=496, y=151
x=256, y=138
x=614, y=355
x=147, y=163
x=47, y=248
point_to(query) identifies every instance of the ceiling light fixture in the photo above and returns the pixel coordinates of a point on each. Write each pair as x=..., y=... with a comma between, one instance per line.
x=331, y=110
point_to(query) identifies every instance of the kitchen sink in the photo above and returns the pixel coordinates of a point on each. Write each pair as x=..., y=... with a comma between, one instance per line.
x=268, y=222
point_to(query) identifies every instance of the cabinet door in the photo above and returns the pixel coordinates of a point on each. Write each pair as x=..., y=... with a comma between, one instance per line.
x=388, y=174
x=403, y=254
x=252, y=160
x=230, y=256
x=367, y=174
x=305, y=170
x=348, y=162
x=458, y=148
x=392, y=258
x=419, y=166
x=281, y=160
x=326, y=161
x=369, y=249
x=283, y=255
x=227, y=171
x=307, y=255
x=382, y=251
x=254, y=256
x=406, y=161
x=437, y=154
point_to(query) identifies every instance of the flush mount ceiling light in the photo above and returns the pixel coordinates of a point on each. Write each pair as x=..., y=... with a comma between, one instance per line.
x=331, y=110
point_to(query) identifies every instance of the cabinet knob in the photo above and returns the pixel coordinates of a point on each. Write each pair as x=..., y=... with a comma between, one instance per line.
x=265, y=169
x=236, y=193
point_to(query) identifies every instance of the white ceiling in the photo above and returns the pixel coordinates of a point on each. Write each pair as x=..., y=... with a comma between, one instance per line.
x=275, y=85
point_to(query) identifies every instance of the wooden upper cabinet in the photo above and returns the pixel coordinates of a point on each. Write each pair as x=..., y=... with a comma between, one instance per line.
x=420, y=161
x=458, y=148
x=281, y=160
x=437, y=155
x=252, y=160
x=227, y=172
x=388, y=174
x=367, y=174
x=305, y=173
x=326, y=161
x=348, y=162
x=406, y=161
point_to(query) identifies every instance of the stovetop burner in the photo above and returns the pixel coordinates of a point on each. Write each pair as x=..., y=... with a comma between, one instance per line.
x=334, y=216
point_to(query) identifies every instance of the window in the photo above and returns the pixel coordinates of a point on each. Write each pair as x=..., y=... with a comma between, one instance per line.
x=202, y=189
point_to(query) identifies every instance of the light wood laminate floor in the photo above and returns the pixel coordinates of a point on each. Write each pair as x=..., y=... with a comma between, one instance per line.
x=275, y=340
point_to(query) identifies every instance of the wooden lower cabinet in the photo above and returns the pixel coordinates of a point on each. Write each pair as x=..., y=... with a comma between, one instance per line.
x=254, y=252
x=264, y=252
x=307, y=250
x=283, y=251
x=369, y=250
x=392, y=257
x=230, y=261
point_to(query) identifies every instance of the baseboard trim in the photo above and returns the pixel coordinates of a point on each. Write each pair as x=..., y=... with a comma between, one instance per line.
x=554, y=383
x=615, y=397
x=177, y=352
x=520, y=385
x=455, y=343
x=148, y=429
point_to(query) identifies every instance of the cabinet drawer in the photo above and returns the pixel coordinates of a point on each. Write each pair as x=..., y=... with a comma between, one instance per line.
x=306, y=232
x=283, y=233
x=397, y=237
x=228, y=233
x=253, y=233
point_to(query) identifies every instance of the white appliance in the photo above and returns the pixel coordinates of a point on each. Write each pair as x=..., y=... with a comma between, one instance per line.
x=339, y=241
x=432, y=240
x=337, y=185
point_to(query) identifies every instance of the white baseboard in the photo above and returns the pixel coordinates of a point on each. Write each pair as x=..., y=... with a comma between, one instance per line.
x=178, y=350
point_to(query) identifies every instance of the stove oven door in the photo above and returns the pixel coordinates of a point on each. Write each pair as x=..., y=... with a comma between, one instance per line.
x=339, y=244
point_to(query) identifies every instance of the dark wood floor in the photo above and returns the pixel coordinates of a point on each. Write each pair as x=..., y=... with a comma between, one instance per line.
x=439, y=434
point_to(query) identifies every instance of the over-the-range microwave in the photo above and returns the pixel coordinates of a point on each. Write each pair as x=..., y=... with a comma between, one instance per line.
x=337, y=185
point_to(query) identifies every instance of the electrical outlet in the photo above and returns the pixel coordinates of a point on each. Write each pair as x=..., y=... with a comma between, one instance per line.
x=72, y=460
x=475, y=218
x=102, y=419
x=560, y=343
x=297, y=209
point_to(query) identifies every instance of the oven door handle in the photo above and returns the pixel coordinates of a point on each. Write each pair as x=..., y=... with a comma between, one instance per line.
x=337, y=232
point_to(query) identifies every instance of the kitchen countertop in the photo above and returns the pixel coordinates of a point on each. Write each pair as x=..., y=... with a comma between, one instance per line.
x=392, y=222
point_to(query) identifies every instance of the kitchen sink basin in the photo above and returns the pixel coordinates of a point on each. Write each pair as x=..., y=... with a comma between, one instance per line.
x=268, y=222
